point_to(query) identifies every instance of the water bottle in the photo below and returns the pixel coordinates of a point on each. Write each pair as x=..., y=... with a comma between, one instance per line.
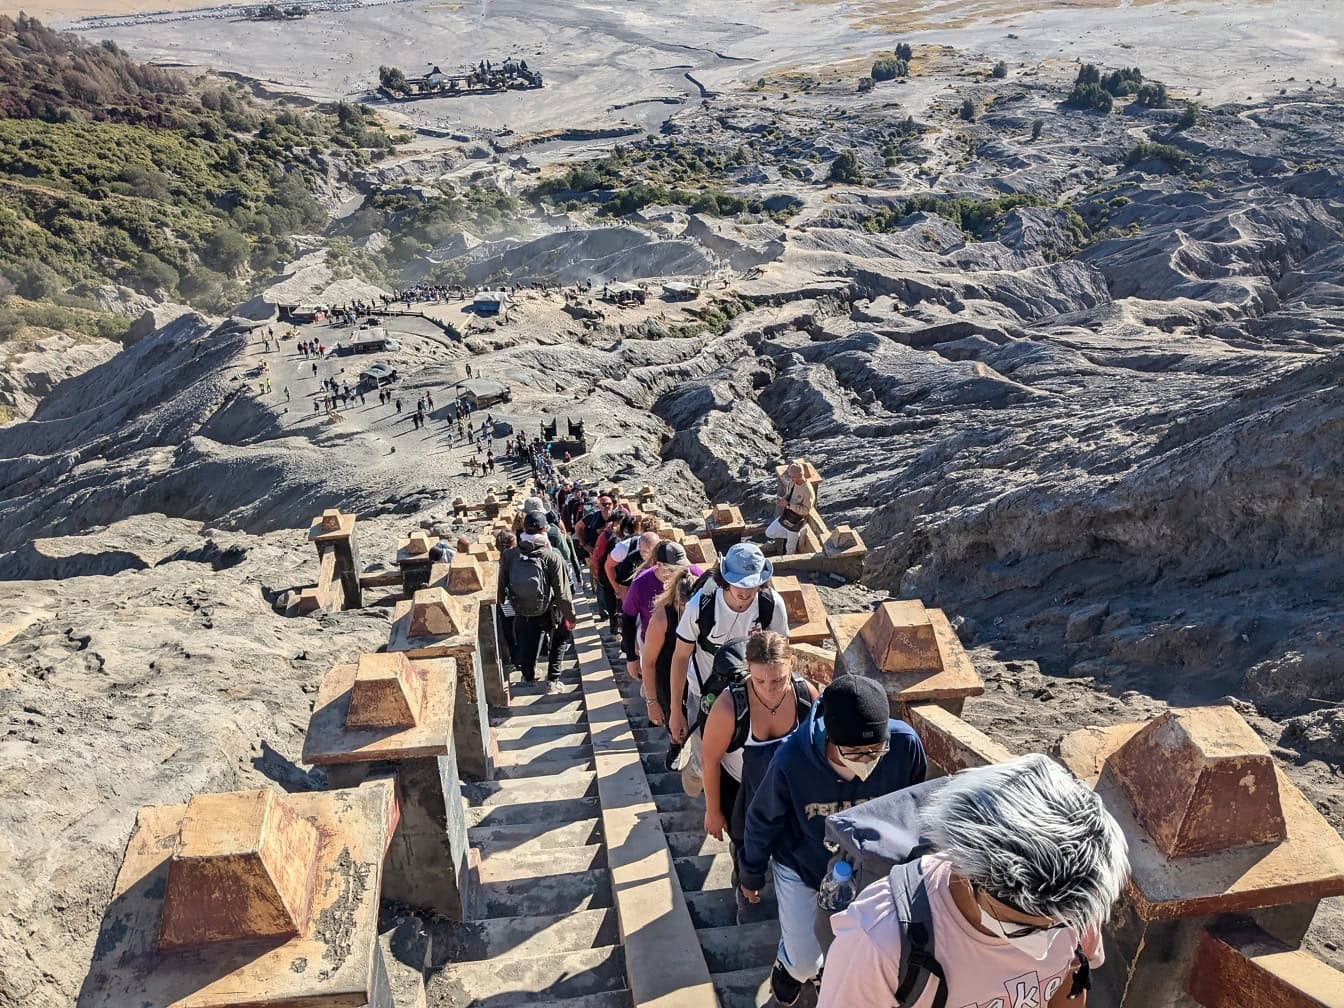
x=837, y=888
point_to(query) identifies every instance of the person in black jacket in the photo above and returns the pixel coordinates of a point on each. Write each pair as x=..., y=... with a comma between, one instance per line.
x=849, y=750
x=533, y=579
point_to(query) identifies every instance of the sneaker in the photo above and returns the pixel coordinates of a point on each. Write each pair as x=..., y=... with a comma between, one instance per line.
x=673, y=754
x=783, y=986
x=553, y=675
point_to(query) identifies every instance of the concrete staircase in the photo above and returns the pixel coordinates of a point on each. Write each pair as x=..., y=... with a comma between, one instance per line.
x=548, y=926
x=739, y=956
x=546, y=932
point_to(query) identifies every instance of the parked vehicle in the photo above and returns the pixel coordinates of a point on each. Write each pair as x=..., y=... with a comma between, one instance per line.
x=378, y=374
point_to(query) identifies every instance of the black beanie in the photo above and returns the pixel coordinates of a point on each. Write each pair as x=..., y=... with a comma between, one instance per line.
x=856, y=711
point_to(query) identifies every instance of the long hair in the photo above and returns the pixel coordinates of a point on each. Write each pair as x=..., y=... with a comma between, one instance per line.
x=677, y=593
x=1034, y=836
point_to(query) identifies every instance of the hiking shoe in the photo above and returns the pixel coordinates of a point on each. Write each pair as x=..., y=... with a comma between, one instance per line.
x=553, y=675
x=783, y=986
x=673, y=753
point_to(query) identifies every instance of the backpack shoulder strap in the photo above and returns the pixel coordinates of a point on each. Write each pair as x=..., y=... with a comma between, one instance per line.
x=741, y=715
x=802, y=698
x=910, y=897
x=765, y=607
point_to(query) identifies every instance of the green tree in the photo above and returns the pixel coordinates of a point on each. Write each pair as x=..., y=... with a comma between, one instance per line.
x=968, y=110
x=889, y=68
x=1153, y=94
x=866, y=84
x=846, y=168
x=1190, y=116
x=34, y=280
x=392, y=78
x=225, y=250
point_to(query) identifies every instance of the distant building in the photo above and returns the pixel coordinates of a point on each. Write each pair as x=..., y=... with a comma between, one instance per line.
x=483, y=392
x=491, y=302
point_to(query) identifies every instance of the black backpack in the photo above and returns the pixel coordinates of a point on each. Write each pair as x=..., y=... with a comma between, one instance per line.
x=881, y=839
x=529, y=583
x=625, y=569
x=802, y=700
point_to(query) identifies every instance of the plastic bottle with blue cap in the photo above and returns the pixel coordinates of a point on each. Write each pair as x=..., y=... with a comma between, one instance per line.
x=837, y=888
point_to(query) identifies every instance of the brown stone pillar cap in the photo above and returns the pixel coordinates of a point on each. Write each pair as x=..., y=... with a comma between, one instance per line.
x=242, y=867
x=331, y=524
x=388, y=692
x=361, y=713
x=250, y=898
x=435, y=613
x=1214, y=826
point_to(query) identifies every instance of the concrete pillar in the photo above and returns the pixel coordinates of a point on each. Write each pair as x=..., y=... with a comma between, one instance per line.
x=393, y=715
x=437, y=624
x=228, y=901
x=725, y=526
x=334, y=533
x=414, y=561
x=912, y=650
x=1214, y=828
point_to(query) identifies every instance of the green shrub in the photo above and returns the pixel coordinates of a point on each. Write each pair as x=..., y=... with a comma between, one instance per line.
x=866, y=84
x=1144, y=151
x=889, y=68
x=846, y=168
x=1000, y=70
x=968, y=110
x=1190, y=116
x=1037, y=128
x=1153, y=94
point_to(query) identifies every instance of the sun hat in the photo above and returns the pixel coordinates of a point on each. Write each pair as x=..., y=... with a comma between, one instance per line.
x=745, y=566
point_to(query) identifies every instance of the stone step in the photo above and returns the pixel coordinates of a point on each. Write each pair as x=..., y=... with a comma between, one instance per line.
x=567, y=713
x=655, y=762
x=680, y=801
x=536, y=700
x=520, y=937
x=740, y=947
x=571, y=783
x=685, y=821
x=525, y=838
x=746, y=988
x=705, y=871
x=557, y=812
x=512, y=865
x=713, y=908
x=694, y=842
x=538, y=737
x=539, y=895
x=545, y=753
x=535, y=980
x=665, y=783
x=542, y=767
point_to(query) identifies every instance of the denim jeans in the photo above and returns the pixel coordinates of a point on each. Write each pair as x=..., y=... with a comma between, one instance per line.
x=798, y=948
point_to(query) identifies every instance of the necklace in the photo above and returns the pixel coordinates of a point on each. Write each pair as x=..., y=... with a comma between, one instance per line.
x=770, y=710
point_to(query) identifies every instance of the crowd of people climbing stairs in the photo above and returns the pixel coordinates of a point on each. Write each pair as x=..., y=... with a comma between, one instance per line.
x=986, y=889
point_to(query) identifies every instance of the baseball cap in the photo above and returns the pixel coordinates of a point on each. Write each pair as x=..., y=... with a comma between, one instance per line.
x=856, y=711
x=669, y=552
x=745, y=566
x=534, y=521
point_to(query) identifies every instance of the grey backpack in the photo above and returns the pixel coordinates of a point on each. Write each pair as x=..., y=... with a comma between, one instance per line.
x=881, y=839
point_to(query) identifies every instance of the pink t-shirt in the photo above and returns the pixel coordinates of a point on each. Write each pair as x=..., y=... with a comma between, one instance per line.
x=863, y=966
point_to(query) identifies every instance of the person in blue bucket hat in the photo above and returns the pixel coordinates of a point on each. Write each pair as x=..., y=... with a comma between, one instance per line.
x=732, y=602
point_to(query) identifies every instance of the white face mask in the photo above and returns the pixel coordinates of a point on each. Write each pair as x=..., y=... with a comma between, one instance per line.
x=1035, y=944
x=860, y=770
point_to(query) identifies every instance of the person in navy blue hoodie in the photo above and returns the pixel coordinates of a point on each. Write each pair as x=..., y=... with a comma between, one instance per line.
x=849, y=750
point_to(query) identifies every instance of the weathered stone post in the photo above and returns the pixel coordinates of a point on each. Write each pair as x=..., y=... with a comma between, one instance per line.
x=436, y=624
x=1214, y=828
x=699, y=551
x=725, y=526
x=415, y=563
x=249, y=898
x=475, y=578
x=334, y=533
x=390, y=712
x=912, y=650
x=809, y=622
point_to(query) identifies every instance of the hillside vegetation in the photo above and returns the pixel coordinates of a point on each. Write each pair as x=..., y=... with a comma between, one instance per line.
x=112, y=170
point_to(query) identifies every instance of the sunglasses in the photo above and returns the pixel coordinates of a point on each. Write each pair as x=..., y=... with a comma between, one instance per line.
x=1015, y=929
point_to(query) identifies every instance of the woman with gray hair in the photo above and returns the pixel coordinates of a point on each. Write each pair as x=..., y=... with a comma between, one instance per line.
x=1027, y=864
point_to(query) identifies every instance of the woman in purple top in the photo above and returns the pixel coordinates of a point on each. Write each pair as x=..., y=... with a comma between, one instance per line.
x=666, y=561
